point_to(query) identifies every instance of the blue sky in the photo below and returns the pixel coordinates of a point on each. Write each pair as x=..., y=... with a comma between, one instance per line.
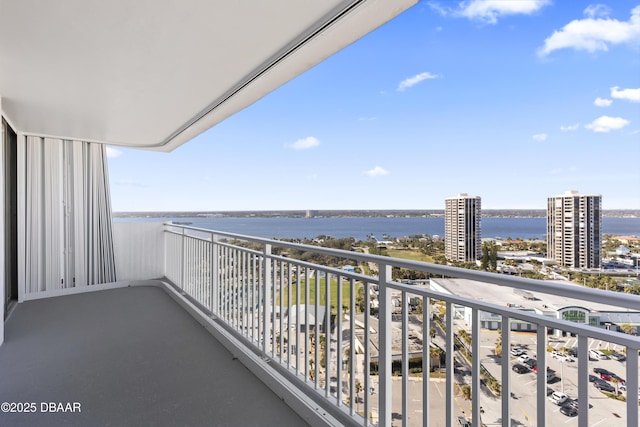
x=513, y=101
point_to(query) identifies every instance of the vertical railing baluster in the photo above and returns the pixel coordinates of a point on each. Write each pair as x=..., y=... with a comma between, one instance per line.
x=224, y=282
x=327, y=334
x=267, y=293
x=289, y=284
x=299, y=277
x=339, y=342
x=367, y=352
x=385, y=334
x=244, y=292
x=506, y=379
x=583, y=380
x=307, y=293
x=426, y=359
x=352, y=344
x=316, y=332
x=405, y=359
x=475, y=368
x=272, y=327
x=255, y=295
x=214, y=271
x=281, y=297
x=183, y=256
x=632, y=386
x=541, y=348
x=450, y=364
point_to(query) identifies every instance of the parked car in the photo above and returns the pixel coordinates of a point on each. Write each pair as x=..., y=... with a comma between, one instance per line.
x=558, y=398
x=618, y=356
x=569, y=410
x=573, y=403
x=523, y=358
x=516, y=351
x=531, y=363
x=606, y=377
x=520, y=369
x=602, y=371
x=463, y=422
x=604, y=386
x=623, y=387
x=566, y=357
x=592, y=378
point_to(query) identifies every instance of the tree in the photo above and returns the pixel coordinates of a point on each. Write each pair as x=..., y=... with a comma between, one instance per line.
x=360, y=301
x=484, y=263
x=627, y=328
x=358, y=389
x=436, y=352
x=489, y=260
x=465, y=390
x=499, y=343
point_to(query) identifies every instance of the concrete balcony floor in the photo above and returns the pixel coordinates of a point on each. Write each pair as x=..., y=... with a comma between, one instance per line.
x=130, y=357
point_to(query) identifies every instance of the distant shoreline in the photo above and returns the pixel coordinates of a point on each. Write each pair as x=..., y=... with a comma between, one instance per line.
x=392, y=213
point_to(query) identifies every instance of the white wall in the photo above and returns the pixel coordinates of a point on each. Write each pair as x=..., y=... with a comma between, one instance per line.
x=139, y=250
x=2, y=184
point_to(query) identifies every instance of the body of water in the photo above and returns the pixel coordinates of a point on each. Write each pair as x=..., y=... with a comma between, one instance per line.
x=360, y=228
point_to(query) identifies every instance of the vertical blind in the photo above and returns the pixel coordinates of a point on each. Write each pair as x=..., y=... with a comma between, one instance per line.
x=68, y=239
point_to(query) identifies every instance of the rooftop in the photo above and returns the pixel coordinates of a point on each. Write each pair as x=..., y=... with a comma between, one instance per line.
x=495, y=294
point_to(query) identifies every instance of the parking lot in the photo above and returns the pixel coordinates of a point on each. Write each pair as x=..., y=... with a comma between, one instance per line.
x=603, y=410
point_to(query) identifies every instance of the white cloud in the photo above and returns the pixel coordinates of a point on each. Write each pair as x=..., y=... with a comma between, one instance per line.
x=602, y=102
x=410, y=81
x=594, y=34
x=597, y=11
x=540, y=137
x=632, y=95
x=606, y=124
x=377, y=171
x=304, y=143
x=569, y=128
x=112, y=153
x=490, y=10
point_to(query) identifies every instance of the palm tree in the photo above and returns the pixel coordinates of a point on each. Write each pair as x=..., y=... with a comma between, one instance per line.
x=436, y=352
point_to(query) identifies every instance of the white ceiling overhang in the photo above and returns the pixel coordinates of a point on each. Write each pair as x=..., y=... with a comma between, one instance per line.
x=155, y=73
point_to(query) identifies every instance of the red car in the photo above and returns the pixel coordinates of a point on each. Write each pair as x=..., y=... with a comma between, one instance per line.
x=611, y=376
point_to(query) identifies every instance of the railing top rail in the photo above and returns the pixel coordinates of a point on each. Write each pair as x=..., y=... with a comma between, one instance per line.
x=619, y=299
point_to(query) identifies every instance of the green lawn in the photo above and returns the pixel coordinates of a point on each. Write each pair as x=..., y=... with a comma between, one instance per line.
x=410, y=255
x=333, y=290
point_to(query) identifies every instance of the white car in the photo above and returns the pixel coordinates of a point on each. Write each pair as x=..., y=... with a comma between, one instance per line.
x=523, y=358
x=566, y=358
x=516, y=351
x=562, y=356
x=558, y=398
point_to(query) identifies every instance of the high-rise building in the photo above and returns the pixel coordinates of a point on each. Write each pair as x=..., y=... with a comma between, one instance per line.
x=462, y=228
x=574, y=229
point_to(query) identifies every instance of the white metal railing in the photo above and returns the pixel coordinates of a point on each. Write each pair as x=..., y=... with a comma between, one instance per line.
x=307, y=319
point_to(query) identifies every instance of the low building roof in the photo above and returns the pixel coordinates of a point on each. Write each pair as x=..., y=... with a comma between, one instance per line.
x=502, y=295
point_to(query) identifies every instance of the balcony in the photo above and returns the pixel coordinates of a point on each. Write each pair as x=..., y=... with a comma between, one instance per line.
x=254, y=304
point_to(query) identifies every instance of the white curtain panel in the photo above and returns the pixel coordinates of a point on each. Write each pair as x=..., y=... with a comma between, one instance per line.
x=67, y=215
